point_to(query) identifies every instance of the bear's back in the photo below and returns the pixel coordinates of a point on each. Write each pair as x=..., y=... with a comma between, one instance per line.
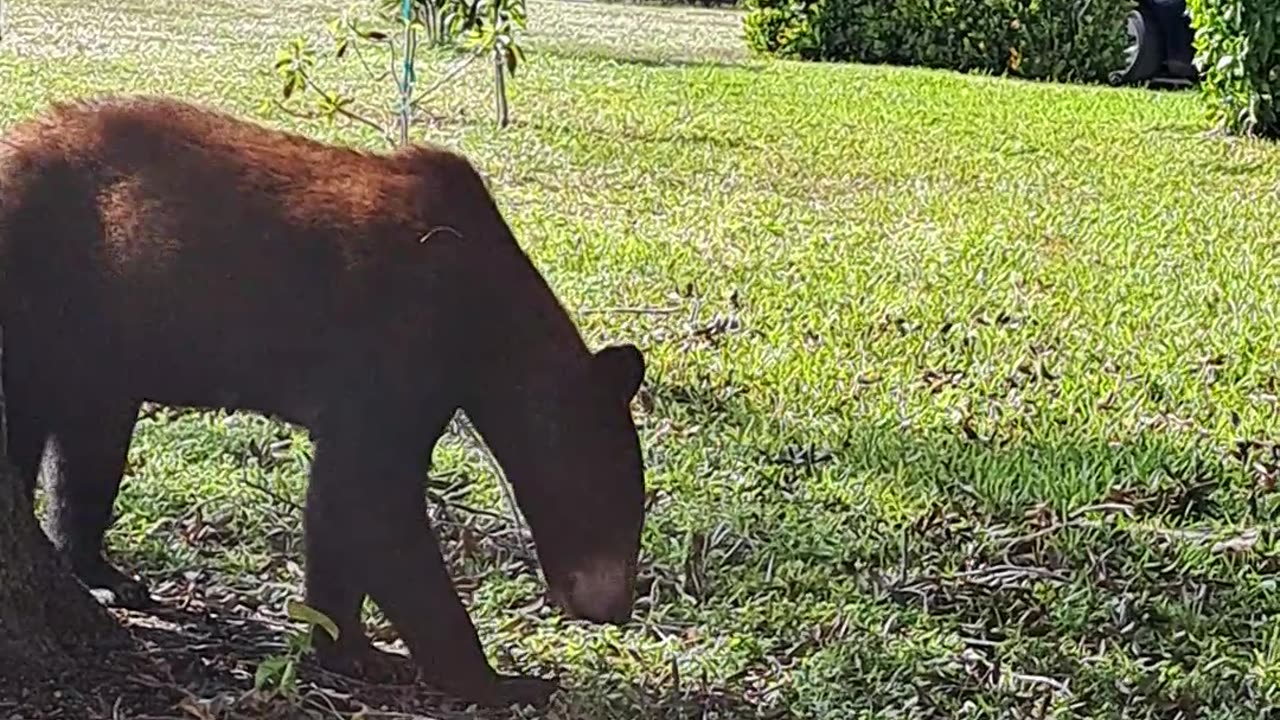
x=162, y=178
x=196, y=250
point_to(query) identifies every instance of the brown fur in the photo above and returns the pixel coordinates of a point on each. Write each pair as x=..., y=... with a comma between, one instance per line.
x=156, y=250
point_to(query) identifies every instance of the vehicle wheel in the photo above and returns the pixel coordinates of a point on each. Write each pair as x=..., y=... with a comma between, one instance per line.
x=1145, y=51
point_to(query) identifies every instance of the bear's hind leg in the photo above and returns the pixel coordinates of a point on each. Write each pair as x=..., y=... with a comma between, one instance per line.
x=25, y=441
x=82, y=470
x=26, y=395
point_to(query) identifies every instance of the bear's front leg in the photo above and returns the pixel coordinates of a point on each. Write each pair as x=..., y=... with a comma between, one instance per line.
x=333, y=586
x=367, y=532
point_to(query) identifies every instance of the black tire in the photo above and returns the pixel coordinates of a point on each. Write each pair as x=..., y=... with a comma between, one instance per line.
x=1145, y=52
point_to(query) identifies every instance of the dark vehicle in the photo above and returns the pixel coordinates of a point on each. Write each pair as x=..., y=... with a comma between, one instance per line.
x=1160, y=44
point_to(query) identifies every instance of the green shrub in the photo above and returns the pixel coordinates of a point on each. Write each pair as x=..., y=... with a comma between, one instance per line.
x=679, y=3
x=1236, y=49
x=1054, y=39
x=781, y=28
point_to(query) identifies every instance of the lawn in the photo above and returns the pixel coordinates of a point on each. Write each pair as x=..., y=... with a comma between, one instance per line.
x=962, y=395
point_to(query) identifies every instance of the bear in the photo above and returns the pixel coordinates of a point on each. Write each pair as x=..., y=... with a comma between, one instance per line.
x=158, y=250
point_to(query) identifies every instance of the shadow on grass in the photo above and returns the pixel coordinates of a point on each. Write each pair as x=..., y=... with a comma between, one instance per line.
x=652, y=60
x=199, y=660
x=644, y=61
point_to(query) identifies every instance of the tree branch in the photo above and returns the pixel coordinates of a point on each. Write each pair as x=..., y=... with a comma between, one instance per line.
x=347, y=113
x=448, y=76
x=355, y=46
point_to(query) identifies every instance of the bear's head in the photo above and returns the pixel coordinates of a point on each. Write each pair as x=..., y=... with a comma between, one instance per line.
x=568, y=443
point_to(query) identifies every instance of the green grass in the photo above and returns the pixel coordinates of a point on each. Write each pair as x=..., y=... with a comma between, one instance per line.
x=922, y=327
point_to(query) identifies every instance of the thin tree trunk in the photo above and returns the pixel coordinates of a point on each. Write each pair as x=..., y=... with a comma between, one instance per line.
x=500, y=87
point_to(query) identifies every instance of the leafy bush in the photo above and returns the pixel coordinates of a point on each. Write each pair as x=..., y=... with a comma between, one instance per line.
x=1236, y=49
x=1055, y=39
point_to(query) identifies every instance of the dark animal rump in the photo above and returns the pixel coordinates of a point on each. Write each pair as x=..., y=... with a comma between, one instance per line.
x=200, y=255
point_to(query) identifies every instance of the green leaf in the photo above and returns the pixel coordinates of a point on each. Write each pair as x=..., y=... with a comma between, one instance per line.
x=307, y=614
x=268, y=669
x=288, y=678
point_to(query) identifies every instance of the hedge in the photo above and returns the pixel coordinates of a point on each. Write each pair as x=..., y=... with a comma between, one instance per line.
x=1236, y=49
x=1074, y=40
x=678, y=3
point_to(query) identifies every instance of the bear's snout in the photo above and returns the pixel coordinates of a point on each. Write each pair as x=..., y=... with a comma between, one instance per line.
x=602, y=592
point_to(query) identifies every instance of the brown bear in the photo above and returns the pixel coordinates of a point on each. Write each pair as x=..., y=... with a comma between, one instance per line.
x=156, y=250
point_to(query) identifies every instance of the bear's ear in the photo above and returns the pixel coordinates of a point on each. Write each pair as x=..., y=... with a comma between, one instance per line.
x=620, y=367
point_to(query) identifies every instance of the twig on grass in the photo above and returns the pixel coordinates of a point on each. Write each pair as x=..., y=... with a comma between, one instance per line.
x=269, y=492
x=327, y=706
x=455, y=505
x=1007, y=572
x=1076, y=520
x=1057, y=685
